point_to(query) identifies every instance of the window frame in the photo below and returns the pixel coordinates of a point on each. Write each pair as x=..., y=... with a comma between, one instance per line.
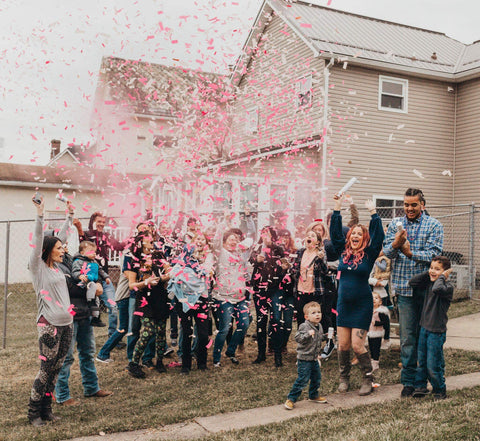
x=301, y=91
x=401, y=81
x=252, y=117
x=400, y=199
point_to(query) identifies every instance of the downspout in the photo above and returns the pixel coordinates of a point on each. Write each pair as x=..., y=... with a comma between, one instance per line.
x=326, y=85
x=455, y=143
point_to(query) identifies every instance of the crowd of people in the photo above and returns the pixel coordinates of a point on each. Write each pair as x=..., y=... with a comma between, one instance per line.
x=216, y=278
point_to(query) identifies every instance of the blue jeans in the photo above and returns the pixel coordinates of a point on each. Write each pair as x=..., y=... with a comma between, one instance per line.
x=83, y=336
x=123, y=322
x=225, y=311
x=109, y=294
x=281, y=319
x=431, y=364
x=409, y=311
x=307, y=370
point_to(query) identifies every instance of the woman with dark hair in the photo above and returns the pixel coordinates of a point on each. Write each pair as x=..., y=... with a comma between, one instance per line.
x=54, y=318
x=147, y=276
x=265, y=281
x=283, y=300
x=359, y=250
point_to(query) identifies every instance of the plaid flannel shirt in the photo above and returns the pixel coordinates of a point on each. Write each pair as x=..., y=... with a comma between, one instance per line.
x=320, y=270
x=426, y=241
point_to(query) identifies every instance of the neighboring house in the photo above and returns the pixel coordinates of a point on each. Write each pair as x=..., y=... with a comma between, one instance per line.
x=156, y=119
x=323, y=95
x=89, y=189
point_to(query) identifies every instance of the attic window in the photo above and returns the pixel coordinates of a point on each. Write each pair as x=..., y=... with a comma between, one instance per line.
x=252, y=120
x=393, y=94
x=304, y=92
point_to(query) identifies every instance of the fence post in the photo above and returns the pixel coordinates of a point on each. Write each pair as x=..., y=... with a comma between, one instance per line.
x=5, y=285
x=471, y=254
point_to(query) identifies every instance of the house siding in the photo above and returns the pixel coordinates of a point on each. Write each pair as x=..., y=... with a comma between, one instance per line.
x=381, y=148
x=467, y=151
x=270, y=84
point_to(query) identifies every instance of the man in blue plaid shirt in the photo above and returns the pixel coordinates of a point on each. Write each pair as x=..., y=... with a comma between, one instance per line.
x=411, y=242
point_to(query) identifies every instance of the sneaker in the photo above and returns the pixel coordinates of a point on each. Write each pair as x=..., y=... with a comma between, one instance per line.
x=407, y=391
x=233, y=359
x=319, y=399
x=328, y=349
x=160, y=367
x=386, y=344
x=148, y=364
x=289, y=404
x=217, y=364
x=440, y=395
x=135, y=370
x=173, y=342
x=420, y=392
x=258, y=360
x=168, y=352
x=97, y=322
x=104, y=360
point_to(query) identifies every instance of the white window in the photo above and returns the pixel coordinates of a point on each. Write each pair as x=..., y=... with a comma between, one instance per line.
x=389, y=207
x=304, y=92
x=252, y=120
x=393, y=94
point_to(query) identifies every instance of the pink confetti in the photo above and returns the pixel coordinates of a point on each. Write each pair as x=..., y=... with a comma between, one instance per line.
x=305, y=25
x=112, y=302
x=202, y=316
x=42, y=357
x=209, y=344
x=139, y=313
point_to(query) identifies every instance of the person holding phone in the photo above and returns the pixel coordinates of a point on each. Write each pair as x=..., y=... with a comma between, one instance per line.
x=54, y=316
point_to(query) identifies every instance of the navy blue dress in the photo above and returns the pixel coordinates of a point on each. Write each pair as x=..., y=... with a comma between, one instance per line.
x=355, y=300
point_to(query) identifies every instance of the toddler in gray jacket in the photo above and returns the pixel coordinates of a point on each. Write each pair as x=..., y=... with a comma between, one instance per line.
x=309, y=339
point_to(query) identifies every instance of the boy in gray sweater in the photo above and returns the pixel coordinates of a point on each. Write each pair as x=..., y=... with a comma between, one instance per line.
x=309, y=339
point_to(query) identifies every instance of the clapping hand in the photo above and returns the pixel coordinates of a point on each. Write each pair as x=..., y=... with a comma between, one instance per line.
x=371, y=207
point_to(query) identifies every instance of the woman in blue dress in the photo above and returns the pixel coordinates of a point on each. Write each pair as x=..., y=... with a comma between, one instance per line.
x=359, y=250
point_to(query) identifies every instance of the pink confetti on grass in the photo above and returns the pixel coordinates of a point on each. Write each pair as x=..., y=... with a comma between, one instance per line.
x=42, y=357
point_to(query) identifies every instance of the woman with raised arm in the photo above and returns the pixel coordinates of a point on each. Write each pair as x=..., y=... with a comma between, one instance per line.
x=54, y=317
x=359, y=250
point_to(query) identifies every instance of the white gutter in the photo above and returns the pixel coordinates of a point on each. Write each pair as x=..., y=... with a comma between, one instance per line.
x=46, y=185
x=326, y=85
x=260, y=155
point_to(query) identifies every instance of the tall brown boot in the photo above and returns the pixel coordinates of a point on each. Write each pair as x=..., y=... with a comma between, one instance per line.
x=366, y=366
x=344, y=367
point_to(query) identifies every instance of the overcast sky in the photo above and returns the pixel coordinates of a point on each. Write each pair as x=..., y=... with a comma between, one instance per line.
x=51, y=52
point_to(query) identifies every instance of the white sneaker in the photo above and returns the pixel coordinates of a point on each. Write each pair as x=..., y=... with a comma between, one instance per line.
x=217, y=365
x=107, y=360
x=385, y=345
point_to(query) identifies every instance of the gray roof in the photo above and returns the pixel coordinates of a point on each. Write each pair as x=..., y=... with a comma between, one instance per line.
x=366, y=39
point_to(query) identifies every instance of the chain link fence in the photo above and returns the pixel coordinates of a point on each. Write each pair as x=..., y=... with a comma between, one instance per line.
x=19, y=303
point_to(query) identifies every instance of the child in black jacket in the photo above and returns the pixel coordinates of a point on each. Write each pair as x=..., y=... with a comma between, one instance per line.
x=433, y=327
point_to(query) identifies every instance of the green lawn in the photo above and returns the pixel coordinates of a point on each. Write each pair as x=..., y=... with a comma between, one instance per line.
x=172, y=398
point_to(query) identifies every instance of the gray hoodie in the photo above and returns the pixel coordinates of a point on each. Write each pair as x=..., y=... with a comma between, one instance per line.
x=309, y=347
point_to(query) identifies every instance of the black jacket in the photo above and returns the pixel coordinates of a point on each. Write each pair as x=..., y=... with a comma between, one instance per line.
x=267, y=275
x=78, y=295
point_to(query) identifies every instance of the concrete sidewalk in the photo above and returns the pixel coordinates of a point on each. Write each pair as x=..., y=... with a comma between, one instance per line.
x=204, y=426
x=463, y=333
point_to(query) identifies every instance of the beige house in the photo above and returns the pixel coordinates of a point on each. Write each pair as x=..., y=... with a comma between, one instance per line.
x=324, y=95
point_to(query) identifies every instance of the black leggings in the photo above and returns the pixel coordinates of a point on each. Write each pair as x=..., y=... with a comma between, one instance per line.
x=374, y=344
